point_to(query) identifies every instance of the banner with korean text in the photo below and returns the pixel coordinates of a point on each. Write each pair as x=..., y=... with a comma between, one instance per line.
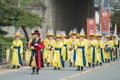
x=105, y=21
x=91, y=26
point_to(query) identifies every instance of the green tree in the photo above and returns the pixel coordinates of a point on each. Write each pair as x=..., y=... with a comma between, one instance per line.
x=14, y=16
x=115, y=16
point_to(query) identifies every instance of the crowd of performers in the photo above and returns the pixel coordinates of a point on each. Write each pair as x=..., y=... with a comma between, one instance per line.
x=55, y=51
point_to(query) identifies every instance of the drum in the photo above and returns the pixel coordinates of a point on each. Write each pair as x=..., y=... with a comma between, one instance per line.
x=107, y=48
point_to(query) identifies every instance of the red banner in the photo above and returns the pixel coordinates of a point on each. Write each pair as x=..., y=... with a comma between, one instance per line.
x=91, y=26
x=105, y=20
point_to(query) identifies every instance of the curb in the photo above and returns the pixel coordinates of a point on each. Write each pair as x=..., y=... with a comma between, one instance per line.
x=9, y=66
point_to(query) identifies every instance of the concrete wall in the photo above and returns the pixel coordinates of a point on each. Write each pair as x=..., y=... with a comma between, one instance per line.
x=68, y=14
x=64, y=14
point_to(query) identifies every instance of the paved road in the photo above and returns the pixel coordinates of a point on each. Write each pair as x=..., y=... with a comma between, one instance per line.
x=106, y=72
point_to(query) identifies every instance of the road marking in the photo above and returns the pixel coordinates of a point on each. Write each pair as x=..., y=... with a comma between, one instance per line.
x=87, y=71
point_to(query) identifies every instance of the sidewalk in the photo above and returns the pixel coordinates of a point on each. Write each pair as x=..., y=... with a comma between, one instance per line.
x=9, y=65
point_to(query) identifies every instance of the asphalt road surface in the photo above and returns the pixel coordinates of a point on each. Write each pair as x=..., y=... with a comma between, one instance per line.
x=109, y=71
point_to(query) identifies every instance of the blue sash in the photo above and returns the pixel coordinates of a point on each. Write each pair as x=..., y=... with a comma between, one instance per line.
x=116, y=51
x=111, y=54
x=93, y=55
x=19, y=56
x=102, y=57
x=83, y=54
x=66, y=51
x=74, y=55
x=62, y=61
x=33, y=52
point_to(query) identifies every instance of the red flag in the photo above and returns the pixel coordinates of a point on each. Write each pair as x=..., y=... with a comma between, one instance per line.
x=105, y=20
x=91, y=25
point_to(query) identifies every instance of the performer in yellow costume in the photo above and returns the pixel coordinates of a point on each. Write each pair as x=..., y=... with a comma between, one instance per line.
x=99, y=49
x=17, y=51
x=108, y=49
x=69, y=54
x=88, y=56
x=65, y=46
x=92, y=50
x=48, y=50
x=72, y=48
x=115, y=49
x=58, y=61
x=81, y=49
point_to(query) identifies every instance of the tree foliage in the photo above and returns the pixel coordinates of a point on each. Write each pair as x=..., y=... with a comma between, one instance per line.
x=115, y=15
x=18, y=17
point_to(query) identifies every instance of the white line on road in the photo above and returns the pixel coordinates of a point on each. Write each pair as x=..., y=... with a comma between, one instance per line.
x=87, y=71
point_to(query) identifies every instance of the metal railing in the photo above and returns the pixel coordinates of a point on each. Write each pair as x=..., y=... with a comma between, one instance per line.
x=5, y=52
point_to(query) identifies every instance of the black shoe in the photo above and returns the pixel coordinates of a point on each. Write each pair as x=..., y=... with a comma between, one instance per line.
x=18, y=67
x=33, y=70
x=78, y=69
x=13, y=67
x=58, y=68
x=37, y=72
x=100, y=64
x=48, y=64
x=114, y=59
x=93, y=65
x=108, y=60
x=30, y=65
x=55, y=68
x=82, y=68
x=33, y=73
x=105, y=60
x=89, y=64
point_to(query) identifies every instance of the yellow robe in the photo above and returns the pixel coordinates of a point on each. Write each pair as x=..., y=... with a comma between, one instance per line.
x=71, y=52
x=15, y=58
x=99, y=45
x=65, y=49
x=93, y=43
x=29, y=42
x=68, y=45
x=81, y=45
x=107, y=53
x=48, y=54
x=88, y=54
x=102, y=46
x=28, y=52
x=57, y=55
x=116, y=48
